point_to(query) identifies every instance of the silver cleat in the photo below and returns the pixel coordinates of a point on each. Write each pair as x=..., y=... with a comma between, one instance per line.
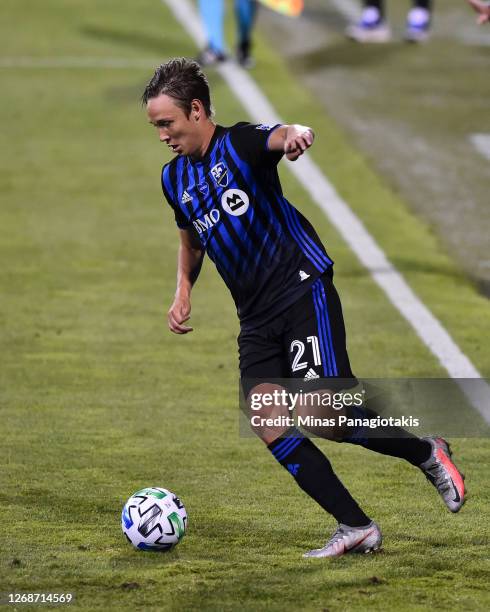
x=350, y=540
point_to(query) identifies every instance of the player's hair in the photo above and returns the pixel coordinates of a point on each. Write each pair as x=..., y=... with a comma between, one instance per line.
x=183, y=80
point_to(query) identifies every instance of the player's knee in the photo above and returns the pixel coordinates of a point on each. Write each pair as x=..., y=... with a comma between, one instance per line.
x=269, y=417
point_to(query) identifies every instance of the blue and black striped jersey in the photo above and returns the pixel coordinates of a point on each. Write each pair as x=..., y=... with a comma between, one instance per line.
x=266, y=251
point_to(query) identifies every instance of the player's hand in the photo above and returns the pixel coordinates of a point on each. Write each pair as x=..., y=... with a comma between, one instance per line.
x=178, y=314
x=298, y=139
x=483, y=10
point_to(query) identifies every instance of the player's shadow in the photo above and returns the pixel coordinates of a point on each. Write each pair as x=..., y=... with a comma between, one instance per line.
x=140, y=41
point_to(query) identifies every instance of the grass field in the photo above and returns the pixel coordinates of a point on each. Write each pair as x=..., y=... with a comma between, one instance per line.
x=98, y=399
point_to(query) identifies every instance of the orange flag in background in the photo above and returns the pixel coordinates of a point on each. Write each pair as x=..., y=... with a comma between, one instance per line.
x=292, y=8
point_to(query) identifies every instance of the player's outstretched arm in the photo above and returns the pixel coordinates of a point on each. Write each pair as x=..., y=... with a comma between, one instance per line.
x=189, y=265
x=483, y=10
x=293, y=140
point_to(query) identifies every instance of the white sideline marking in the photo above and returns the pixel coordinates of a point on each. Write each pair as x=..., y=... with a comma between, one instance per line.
x=77, y=62
x=350, y=227
x=481, y=142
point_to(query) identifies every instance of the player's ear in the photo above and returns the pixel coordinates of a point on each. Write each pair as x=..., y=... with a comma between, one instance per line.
x=196, y=110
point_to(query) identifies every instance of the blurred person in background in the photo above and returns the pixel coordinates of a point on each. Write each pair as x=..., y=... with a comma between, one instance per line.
x=373, y=27
x=483, y=10
x=212, y=14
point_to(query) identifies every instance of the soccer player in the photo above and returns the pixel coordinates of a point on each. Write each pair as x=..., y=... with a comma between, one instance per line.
x=224, y=189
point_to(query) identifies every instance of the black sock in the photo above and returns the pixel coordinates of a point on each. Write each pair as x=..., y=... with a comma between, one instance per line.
x=426, y=4
x=390, y=440
x=314, y=474
x=412, y=449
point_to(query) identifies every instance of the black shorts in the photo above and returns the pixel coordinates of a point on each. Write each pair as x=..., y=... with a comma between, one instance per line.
x=304, y=343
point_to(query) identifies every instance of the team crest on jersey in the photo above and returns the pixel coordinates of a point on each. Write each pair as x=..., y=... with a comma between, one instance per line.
x=220, y=174
x=235, y=202
x=203, y=188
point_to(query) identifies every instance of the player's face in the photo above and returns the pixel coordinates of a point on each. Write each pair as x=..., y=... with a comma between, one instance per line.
x=179, y=132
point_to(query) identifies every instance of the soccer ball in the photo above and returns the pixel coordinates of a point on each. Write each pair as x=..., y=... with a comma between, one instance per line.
x=154, y=519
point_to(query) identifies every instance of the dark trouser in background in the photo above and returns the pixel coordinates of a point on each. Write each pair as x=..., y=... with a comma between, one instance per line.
x=380, y=5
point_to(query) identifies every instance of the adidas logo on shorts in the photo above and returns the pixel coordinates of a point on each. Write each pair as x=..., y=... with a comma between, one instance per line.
x=303, y=275
x=310, y=375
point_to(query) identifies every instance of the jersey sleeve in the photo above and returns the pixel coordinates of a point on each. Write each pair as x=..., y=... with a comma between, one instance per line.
x=252, y=143
x=169, y=193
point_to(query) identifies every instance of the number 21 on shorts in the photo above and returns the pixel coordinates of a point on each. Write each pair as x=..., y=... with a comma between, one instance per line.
x=297, y=349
